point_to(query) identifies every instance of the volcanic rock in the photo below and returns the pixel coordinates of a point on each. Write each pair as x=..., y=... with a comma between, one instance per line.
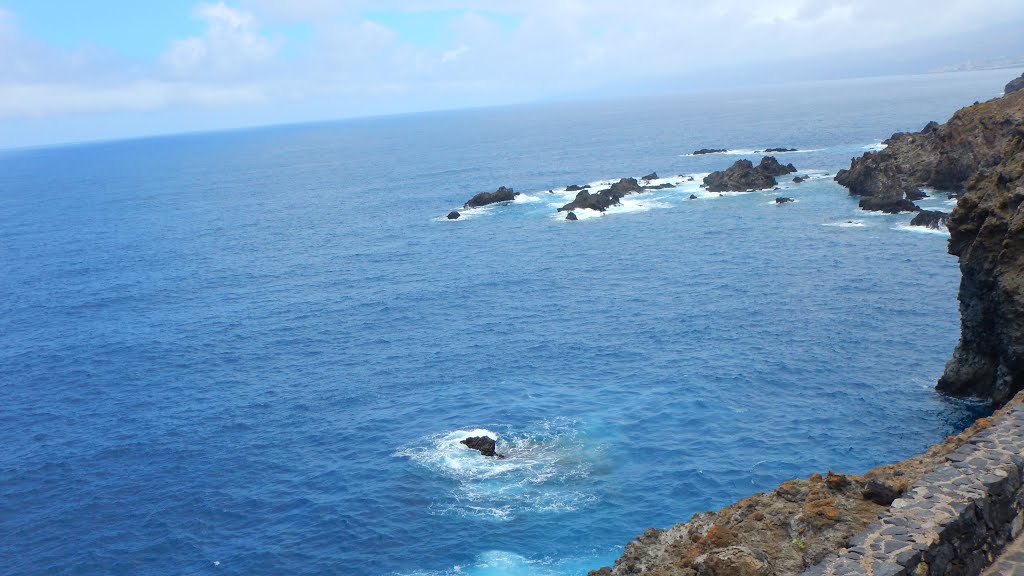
x=693, y=196
x=483, y=444
x=783, y=200
x=604, y=199
x=651, y=176
x=881, y=492
x=453, y=215
x=743, y=176
x=941, y=156
x=571, y=216
x=931, y=219
x=709, y=151
x=770, y=150
x=502, y=194
x=576, y=188
x=799, y=179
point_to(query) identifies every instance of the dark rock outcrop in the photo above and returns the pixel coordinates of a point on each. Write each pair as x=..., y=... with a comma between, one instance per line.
x=881, y=492
x=931, y=219
x=571, y=216
x=770, y=150
x=1015, y=85
x=743, y=176
x=987, y=233
x=576, y=188
x=798, y=179
x=502, y=194
x=604, y=199
x=664, y=186
x=783, y=200
x=453, y=215
x=693, y=196
x=943, y=156
x=651, y=176
x=709, y=151
x=483, y=444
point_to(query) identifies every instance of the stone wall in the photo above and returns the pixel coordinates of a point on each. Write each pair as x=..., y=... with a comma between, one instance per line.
x=955, y=520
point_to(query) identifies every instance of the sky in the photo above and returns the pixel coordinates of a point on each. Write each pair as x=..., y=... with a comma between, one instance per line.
x=89, y=70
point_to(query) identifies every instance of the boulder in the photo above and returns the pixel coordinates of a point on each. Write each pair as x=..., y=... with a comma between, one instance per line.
x=934, y=219
x=453, y=215
x=693, y=196
x=1015, y=85
x=483, y=444
x=709, y=151
x=571, y=216
x=783, y=200
x=880, y=492
x=502, y=194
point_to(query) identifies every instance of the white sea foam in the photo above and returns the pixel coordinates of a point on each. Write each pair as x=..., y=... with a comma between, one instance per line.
x=503, y=563
x=877, y=146
x=942, y=231
x=534, y=476
x=753, y=152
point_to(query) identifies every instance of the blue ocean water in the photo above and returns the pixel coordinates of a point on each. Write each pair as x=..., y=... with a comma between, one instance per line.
x=255, y=352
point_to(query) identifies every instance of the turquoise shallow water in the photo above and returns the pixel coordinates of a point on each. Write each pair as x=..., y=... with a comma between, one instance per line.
x=255, y=352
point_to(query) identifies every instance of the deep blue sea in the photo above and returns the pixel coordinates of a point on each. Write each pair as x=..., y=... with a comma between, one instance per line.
x=255, y=352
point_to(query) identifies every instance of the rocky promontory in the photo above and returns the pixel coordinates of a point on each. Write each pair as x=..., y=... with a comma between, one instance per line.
x=743, y=176
x=944, y=157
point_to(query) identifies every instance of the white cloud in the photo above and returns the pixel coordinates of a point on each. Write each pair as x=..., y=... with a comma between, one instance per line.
x=230, y=45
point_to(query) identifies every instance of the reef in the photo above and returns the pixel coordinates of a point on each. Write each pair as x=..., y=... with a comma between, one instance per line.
x=603, y=199
x=503, y=194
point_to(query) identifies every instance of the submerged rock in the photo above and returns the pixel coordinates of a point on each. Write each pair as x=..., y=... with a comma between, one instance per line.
x=770, y=150
x=502, y=194
x=930, y=219
x=483, y=444
x=783, y=200
x=709, y=151
x=743, y=176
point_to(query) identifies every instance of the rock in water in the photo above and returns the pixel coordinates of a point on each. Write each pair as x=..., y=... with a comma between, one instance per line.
x=798, y=179
x=770, y=150
x=502, y=194
x=453, y=215
x=783, y=200
x=651, y=176
x=1015, y=85
x=693, y=196
x=571, y=216
x=709, y=151
x=743, y=176
x=483, y=444
x=603, y=199
x=930, y=219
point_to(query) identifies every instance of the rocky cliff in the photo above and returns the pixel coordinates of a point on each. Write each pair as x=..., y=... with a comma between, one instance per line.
x=944, y=157
x=987, y=234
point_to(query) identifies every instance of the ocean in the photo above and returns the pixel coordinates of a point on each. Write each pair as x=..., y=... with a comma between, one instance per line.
x=255, y=352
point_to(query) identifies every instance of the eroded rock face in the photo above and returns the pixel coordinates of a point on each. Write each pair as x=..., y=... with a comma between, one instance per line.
x=743, y=176
x=987, y=233
x=502, y=194
x=942, y=156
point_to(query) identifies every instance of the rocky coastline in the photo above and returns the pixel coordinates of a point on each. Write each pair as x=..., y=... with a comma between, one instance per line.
x=977, y=157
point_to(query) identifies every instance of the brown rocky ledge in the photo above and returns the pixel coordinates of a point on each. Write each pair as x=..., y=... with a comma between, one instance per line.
x=788, y=530
x=944, y=157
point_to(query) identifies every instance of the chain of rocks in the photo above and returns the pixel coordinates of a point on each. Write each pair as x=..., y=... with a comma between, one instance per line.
x=956, y=520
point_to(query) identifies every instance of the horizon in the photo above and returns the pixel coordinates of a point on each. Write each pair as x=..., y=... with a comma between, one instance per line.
x=112, y=70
